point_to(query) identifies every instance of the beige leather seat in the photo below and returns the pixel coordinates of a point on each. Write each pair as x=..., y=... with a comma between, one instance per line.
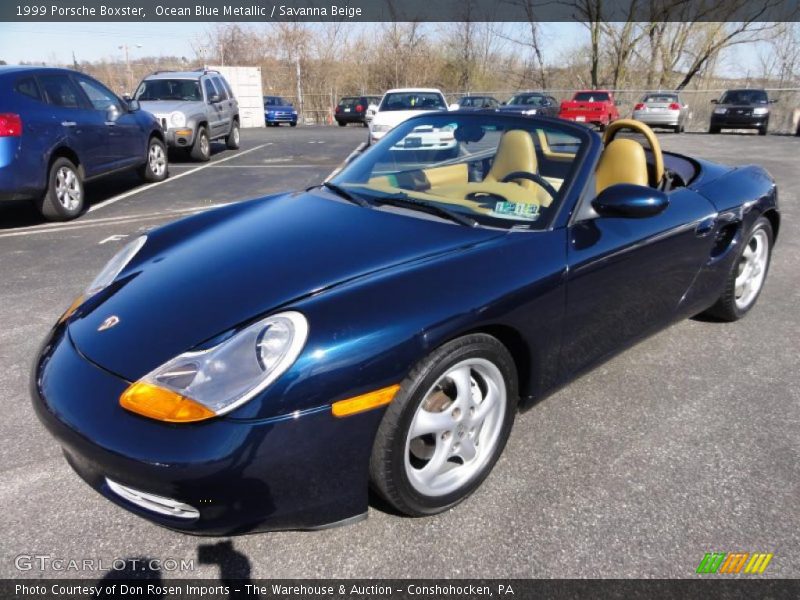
x=515, y=152
x=622, y=161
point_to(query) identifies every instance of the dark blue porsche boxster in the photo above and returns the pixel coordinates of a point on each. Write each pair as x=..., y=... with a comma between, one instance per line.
x=262, y=365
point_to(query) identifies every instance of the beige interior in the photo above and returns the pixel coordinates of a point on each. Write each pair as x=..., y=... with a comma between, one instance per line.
x=515, y=152
x=622, y=161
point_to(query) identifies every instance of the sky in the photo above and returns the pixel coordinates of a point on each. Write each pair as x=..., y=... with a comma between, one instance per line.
x=54, y=43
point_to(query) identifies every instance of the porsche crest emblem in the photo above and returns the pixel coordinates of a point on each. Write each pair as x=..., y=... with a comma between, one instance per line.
x=108, y=323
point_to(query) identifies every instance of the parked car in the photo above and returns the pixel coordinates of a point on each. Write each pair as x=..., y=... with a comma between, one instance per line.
x=278, y=110
x=194, y=108
x=741, y=109
x=662, y=109
x=59, y=129
x=263, y=365
x=596, y=107
x=403, y=103
x=478, y=103
x=353, y=109
x=532, y=103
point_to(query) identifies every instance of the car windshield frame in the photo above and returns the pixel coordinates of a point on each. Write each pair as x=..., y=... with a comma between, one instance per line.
x=751, y=97
x=143, y=87
x=356, y=177
x=387, y=105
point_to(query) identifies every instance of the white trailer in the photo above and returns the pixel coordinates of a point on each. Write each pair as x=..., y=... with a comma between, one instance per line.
x=246, y=84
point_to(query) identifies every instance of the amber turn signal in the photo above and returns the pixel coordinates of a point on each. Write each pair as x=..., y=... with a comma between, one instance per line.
x=359, y=404
x=164, y=405
x=72, y=308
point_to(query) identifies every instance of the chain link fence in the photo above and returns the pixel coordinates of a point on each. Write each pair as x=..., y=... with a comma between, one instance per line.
x=318, y=109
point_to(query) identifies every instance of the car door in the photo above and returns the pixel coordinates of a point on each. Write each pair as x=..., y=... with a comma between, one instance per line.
x=627, y=277
x=226, y=104
x=214, y=110
x=82, y=127
x=125, y=138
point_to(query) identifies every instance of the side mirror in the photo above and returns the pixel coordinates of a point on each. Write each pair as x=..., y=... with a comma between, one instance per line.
x=714, y=101
x=213, y=99
x=503, y=103
x=773, y=101
x=630, y=201
x=126, y=97
x=453, y=106
x=112, y=113
x=133, y=105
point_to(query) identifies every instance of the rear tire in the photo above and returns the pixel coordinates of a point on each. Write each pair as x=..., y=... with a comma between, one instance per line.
x=201, y=149
x=750, y=269
x=64, y=198
x=341, y=123
x=155, y=167
x=232, y=141
x=712, y=129
x=457, y=437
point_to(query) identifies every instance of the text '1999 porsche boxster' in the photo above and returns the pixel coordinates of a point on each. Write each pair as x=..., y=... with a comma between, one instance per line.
x=262, y=365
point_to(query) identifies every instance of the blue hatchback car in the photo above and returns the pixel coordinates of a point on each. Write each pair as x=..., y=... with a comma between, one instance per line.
x=59, y=128
x=277, y=111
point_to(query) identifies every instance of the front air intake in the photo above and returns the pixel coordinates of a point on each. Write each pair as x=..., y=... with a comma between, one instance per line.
x=153, y=503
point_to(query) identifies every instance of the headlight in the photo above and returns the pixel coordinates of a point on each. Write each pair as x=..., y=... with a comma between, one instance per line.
x=532, y=111
x=294, y=112
x=760, y=111
x=378, y=128
x=720, y=111
x=201, y=384
x=177, y=119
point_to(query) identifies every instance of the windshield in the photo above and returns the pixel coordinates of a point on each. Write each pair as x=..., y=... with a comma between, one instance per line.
x=412, y=101
x=661, y=98
x=474, y=101
x=591, y=97
x=744, y=97
x=499, y=170
x=169, y=89
x=528, y=100
x=275, y=101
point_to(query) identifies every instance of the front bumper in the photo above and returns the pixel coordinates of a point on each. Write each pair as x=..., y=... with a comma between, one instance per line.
x=280, y=118
x=180, y=137
x=298, y=471
x=735, y=121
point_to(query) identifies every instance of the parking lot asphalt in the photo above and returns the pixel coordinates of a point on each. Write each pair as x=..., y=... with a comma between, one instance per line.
x=686, y=444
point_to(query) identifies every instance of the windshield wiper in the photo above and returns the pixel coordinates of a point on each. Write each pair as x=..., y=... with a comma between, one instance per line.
x=343, y=193
x=404, y=201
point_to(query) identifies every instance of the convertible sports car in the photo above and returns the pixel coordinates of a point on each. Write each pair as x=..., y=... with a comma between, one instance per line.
x=262, y=365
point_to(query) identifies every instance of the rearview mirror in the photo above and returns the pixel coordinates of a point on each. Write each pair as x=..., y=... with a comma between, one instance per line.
x=630, y=201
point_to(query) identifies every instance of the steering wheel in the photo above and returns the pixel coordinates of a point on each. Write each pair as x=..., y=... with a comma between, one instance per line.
x=658, y=159
x=535, y=178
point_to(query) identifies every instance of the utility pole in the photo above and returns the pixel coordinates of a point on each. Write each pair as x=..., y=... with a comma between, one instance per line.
x=128, y=66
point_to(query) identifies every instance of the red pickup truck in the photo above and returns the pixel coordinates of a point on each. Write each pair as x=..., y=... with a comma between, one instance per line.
x=590, y=106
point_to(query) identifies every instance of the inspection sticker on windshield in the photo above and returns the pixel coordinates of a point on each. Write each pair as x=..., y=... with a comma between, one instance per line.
x=526, y=210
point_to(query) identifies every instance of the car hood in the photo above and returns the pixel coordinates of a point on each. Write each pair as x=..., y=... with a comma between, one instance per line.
x=164, y=107
x=282, y=108
x=200, y=277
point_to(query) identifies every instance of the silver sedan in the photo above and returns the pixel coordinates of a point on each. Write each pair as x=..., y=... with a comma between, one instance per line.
x=663, y=109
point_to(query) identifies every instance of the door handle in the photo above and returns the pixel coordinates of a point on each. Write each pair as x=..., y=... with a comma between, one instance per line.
x=706, y=226
x=68, y=123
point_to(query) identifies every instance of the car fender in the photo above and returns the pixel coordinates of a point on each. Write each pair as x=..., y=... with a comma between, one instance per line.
x=369, y=333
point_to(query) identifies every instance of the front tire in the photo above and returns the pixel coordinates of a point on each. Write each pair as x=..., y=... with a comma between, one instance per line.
x=232, y=140
x=64, y=197
x=747, y=275
x=446, y=427
x=201, y=149
x=713, y=129
x=155, y=167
